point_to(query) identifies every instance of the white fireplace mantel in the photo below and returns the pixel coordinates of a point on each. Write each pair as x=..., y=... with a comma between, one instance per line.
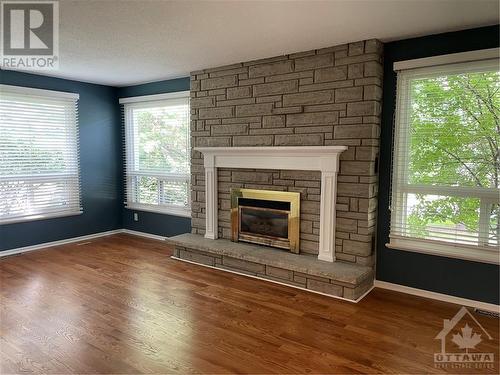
x=309, y=158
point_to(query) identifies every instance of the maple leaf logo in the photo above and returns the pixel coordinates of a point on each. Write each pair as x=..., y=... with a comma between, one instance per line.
x=467, y=340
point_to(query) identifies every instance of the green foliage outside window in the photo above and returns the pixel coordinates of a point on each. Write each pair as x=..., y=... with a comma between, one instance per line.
x=162, y=146
x=163, y=141
x=454, y=141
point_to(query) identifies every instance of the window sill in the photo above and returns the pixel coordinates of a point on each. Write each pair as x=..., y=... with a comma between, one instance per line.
x=39, y=217
x=475, y=254
x=173, y=211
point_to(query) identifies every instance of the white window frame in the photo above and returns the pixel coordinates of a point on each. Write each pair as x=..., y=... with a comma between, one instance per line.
x=426, y=68
x=48, y=214
x=132, y=103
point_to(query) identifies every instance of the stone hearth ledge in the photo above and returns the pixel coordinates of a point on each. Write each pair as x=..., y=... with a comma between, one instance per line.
x=346, y=280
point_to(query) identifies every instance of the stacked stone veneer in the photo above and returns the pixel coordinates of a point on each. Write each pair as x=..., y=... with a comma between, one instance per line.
x=339, y=279
x=330, y=96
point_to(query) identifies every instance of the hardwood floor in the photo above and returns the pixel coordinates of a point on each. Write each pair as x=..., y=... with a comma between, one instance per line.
x=119, y=304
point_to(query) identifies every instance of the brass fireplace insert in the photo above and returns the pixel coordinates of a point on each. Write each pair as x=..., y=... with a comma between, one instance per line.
x=266, y=217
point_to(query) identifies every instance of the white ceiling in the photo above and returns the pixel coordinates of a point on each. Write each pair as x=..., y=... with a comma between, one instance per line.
x=128, y=42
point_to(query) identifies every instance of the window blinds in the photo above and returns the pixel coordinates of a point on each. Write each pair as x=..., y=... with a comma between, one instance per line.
x=446, y=164
x=157, y=155
x=39, y=165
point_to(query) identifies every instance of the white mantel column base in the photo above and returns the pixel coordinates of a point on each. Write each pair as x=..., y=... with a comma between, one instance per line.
x=211, y=210
x=327, y=216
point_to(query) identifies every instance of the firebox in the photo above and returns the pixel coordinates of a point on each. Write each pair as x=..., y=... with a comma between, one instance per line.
x=266, y=217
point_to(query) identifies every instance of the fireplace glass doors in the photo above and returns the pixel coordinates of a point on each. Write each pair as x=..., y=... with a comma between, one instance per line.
x=266, y=217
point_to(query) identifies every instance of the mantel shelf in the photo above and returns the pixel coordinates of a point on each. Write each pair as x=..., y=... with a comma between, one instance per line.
x=285, y=150
x=319, y=158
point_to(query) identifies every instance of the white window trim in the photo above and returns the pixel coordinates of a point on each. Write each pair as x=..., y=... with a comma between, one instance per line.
x=451, y=250
x=156, y=97
x=427, y=67
x=452, y=58
x=142, y=102
x=39, y=92
x=40, y=217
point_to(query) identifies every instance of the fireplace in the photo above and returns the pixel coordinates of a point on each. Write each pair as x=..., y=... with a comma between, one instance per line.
x=287, y=158
x=266, y=217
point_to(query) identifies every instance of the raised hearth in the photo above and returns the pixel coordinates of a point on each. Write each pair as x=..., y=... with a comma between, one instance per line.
x=350, y=281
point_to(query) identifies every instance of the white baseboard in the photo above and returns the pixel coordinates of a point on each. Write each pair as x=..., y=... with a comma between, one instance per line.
x=44, y=245
x=437, y=296
x=274, y=281
x=25, y=249
x=143, y=234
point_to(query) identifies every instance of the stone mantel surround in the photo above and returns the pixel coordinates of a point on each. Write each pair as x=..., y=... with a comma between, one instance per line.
x=320, y=158
x=323, y=97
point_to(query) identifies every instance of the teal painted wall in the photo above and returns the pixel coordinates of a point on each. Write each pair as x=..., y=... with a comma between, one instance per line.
x=100, y=165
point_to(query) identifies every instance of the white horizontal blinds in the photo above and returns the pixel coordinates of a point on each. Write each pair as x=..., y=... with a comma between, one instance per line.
x=446, y=160
x=158, y=154
x=39, y=167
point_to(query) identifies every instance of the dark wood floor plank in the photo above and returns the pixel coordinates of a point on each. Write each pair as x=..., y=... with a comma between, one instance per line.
x=119, y=304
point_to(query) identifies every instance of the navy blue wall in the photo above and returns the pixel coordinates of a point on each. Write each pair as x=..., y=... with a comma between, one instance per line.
x=149, y=222
x=478, y=281
x=100, y=163
x=159, y=87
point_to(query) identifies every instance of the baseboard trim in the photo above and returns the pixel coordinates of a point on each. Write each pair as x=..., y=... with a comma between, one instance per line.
x=143, y=234
x=43, y=245
x=25, y=249
x=273, y=281
x=437, y=296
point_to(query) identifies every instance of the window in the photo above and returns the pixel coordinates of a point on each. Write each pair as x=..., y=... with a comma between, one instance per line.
x=39, y=168
x=446, y=165
x=158, y=153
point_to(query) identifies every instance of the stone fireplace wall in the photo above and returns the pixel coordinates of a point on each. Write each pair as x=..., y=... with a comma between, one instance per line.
x=330, y=96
